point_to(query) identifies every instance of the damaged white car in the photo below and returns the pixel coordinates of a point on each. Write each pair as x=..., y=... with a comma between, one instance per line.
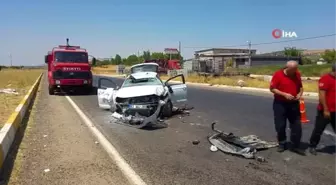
x=142, y=98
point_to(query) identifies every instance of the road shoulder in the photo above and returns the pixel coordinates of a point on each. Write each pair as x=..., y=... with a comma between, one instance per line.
x=59, y=149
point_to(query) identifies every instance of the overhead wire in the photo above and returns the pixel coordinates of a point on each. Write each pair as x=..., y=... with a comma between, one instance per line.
x=266, y=43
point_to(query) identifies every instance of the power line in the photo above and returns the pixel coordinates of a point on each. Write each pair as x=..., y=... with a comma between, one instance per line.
x=266, y=43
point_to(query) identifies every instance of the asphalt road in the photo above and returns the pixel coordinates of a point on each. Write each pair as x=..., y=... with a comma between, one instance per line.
x=167, y=156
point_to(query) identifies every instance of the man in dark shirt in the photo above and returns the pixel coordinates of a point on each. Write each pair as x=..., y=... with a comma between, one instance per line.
x=325, y=109
x=286, y=85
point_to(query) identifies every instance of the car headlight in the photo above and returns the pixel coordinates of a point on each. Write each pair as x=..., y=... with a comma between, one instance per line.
x=57, y=82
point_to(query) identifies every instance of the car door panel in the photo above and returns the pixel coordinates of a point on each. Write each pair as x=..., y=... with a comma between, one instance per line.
x=178, y=91
x=105, y=93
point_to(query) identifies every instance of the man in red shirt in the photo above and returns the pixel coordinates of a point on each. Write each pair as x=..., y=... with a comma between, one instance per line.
x=325, y=109
x=286, y=85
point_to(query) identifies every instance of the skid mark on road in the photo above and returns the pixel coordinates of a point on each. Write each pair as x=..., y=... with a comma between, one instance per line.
x=129, y=173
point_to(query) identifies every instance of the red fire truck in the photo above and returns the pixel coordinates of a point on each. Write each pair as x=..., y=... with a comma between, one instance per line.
x=165, y=65
x=69, y=69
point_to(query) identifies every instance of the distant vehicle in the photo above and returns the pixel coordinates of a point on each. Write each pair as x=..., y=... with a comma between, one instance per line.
x=69, y=69
x=165, y=65
x=143, y=97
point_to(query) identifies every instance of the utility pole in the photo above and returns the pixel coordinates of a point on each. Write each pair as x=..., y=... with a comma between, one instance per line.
x=249, y=46
x=180, y=58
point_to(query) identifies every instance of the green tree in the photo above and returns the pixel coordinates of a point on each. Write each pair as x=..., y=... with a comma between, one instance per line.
x=161, y=55
x=102, y=62
x=329, y=56
x=229, y=63
x=292, y=52
x=173, y=57
x=131, y=60
x=158, y=55
x=146, y=55
x=124, y=61
x=307, y=60
x=141, y=59
x=112, y=61
x=117, y=59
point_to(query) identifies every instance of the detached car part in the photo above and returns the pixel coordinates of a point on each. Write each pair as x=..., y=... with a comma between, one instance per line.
x=137, y=120
x=246, y=146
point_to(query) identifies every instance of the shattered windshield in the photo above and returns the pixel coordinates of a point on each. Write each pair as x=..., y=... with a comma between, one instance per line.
x=129, y=82
x=71, y=57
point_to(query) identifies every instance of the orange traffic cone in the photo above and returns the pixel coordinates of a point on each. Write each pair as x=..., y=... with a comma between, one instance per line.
x=304, y=119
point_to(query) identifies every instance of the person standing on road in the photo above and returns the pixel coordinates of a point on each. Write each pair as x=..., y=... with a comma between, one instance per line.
x=325, y=109
x=286, y=85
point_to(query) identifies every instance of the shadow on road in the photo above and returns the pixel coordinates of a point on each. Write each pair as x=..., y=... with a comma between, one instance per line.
x=78, y=93
x=304, y=145
x=155, y=127
x=8, y=165
x=331, y=149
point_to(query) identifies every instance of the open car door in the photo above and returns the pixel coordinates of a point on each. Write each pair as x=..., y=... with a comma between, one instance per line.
x=106, y=93
x=177, y=90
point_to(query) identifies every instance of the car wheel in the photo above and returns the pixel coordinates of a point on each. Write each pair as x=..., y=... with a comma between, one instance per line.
x=51, y=90
x=88, y=90
x=168, y=109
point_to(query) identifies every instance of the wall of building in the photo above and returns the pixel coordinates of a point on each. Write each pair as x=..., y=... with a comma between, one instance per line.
x=200, y=57
x=225, y=50
x=188, y=65
x=219, y=51
x=211, y=52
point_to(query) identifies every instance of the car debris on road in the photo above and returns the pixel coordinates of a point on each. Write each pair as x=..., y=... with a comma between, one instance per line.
x=246, y=146
x=143, y=99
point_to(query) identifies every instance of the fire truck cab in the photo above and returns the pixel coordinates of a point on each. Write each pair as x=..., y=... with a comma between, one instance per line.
x=69, y=69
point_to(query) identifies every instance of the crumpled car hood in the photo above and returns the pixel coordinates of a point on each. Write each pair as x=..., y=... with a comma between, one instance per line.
x=142, y=90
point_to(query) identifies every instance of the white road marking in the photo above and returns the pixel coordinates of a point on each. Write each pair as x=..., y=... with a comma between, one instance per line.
x=327, y=132
x=129, y=173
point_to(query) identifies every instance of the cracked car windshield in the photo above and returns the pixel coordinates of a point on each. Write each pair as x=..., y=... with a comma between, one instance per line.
x=130, y=82
x=70, y=57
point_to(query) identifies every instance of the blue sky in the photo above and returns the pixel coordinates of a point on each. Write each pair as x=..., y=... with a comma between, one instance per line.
x=107, y=27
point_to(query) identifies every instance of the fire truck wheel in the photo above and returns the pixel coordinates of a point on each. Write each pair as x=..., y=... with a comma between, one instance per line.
x=88, y=90
x=168, y=109
x=51, y=90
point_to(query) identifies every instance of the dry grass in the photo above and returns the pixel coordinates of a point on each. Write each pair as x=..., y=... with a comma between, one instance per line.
x=305, y=70
x=19, y=79
x=106, y=69
x=309, y=86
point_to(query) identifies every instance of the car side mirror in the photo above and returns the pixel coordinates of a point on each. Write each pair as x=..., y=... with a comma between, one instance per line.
x=46, y=59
